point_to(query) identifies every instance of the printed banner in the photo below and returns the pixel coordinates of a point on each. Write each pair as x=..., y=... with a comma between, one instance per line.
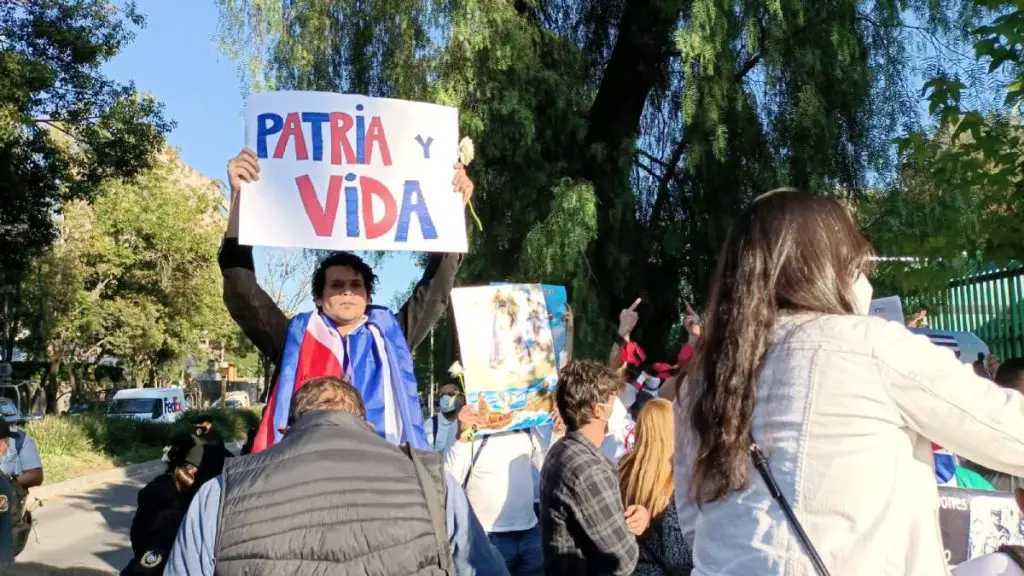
x=977, y=522
x=507, y=354
x=556, y=299
x=346, y=172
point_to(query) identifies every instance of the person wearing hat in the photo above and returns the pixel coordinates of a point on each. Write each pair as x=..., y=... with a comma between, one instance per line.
x=191, y=461
x=443, y=428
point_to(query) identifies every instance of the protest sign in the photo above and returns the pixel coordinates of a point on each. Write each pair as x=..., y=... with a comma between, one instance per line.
x=346, y=172
x=507, y=355
x=556, y=299
x=976, y=522
x=890, y=308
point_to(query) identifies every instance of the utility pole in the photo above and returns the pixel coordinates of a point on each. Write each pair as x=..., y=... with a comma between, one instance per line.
x=433, y=385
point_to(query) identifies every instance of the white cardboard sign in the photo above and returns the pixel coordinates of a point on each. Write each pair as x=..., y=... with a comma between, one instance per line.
x=349, y=172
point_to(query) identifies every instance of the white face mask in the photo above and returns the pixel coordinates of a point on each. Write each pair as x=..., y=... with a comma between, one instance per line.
x=863, y=291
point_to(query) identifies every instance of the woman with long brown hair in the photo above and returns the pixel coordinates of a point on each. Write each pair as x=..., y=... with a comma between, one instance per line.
x=646, y=479
x=845, y=406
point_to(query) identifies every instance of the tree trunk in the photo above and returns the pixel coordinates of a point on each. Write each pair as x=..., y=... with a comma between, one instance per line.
x=51, y=384
x=638, y=63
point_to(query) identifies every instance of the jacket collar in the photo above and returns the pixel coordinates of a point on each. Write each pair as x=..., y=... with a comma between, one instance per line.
x=335, y=418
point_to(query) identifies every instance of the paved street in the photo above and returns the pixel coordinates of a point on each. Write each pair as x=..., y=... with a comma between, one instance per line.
x=87, y=530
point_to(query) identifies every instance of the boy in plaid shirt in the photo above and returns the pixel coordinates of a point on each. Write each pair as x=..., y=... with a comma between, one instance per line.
x=585, y=528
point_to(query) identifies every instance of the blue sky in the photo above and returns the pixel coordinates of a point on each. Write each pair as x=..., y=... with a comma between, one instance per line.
x=175, y=57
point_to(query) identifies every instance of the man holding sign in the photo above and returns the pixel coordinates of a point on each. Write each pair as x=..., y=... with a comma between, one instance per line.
x=346, y=335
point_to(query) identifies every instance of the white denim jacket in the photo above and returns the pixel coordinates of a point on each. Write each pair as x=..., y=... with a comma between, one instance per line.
x=847, y=407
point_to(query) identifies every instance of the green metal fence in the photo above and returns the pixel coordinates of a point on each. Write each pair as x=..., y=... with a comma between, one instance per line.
x=990, y=305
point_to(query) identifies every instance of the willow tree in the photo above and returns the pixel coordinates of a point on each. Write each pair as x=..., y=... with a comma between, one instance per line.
x=618, y=138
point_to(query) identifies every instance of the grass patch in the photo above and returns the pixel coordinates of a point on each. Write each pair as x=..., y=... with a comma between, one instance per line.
x=74, y=446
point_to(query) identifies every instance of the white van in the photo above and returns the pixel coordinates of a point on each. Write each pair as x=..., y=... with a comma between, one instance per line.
x=155, y=404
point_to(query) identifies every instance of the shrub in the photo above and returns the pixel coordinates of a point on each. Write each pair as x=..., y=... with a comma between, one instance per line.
x=71, y=446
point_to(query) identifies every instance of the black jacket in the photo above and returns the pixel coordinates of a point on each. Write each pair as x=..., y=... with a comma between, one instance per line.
x=263, y=322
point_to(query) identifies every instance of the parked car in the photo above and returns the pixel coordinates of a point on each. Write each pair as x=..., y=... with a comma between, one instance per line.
x=234, y=400
x=13, y=416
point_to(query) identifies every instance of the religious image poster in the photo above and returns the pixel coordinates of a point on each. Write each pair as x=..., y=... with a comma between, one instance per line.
x=995, y=520
x=976, y=522
x=349, y=172
x=556, y=299
x=507, y=354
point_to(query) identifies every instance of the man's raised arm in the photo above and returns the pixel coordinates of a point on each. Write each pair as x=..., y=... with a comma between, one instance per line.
x=255, y=312
x=430, y=298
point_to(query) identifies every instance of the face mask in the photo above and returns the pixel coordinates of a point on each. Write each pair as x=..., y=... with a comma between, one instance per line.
x=447, y=403
x=863, y=291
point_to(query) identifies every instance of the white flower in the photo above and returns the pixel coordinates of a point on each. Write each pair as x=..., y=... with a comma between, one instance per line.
x=466, y=151
x=455, y=369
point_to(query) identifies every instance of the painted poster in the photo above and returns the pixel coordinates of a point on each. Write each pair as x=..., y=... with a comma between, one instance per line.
x=349, y=172
x=976, y=522
x=556, y=299
x=508, y=355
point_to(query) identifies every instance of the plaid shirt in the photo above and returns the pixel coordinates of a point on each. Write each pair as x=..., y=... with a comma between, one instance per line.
x=582, y=518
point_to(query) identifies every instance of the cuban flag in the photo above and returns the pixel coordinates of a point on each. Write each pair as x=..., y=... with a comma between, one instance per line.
x=374, y=358
x=945, y=464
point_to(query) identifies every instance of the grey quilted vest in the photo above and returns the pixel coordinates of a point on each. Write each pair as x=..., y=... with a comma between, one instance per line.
x=333, y=497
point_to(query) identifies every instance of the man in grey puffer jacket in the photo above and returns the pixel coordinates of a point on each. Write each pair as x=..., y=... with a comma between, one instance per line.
x=332, y=497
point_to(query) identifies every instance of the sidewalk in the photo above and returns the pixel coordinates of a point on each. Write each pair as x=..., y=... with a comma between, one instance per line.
x=84, y=483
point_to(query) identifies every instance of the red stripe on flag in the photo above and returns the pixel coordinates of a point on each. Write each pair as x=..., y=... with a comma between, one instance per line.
x=265, y=433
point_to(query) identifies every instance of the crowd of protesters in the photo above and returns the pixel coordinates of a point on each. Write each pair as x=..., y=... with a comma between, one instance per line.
x=792, y=434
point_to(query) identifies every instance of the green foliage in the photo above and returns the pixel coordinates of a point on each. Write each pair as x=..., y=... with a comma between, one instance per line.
x=65, y=129
x=958, y=201
x=72, y=446
x=134, y=276
x=616, y=141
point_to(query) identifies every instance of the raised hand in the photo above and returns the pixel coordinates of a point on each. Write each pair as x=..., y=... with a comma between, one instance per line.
x=462, y=184
x=243, y=168
x=628, y=319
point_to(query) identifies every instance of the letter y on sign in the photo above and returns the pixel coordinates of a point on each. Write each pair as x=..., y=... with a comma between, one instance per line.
x=425, y=144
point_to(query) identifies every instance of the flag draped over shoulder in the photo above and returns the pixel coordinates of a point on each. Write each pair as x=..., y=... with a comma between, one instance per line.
x=374, y=357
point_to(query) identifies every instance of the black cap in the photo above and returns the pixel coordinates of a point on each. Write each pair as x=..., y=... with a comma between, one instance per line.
x=186, y=449
x=5, y=429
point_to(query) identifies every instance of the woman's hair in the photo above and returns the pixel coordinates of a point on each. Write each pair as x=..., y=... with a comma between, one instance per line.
x=645, y=473
x=788, y=251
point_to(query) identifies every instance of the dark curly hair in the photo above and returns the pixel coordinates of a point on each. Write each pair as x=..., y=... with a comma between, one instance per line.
x=581, y=386
x=788, y=250
x=349, y=260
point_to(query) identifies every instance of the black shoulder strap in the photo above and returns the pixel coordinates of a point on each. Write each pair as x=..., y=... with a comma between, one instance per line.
x=472, y=462
x=433, y=441
x=761, y=463
x=436, y=510
x=19, y=440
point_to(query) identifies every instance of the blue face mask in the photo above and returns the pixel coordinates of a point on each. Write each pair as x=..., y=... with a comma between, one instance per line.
x=447, y=403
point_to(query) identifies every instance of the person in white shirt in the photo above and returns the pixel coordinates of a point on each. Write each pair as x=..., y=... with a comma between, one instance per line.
x=442, y=428
x=500, y=475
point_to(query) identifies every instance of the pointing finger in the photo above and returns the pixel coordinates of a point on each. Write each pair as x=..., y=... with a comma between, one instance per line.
x=635, y=304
